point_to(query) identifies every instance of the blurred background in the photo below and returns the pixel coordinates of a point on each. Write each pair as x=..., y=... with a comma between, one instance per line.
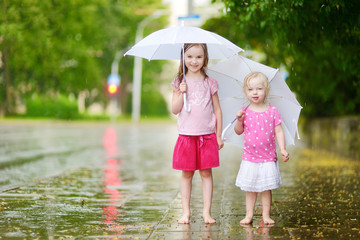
x=59, y=57
x=74, y=161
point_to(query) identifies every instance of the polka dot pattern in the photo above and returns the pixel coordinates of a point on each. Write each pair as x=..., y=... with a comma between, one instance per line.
x=259, y=135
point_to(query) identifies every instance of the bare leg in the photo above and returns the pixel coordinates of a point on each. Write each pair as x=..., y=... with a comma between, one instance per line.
x=186, y=183
x=207, y=188
x=250, y=205
x=266, y=198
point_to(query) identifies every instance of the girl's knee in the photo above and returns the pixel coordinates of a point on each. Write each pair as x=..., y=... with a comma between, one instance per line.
x=266, y=193
x=187, y=174
x=206, y=173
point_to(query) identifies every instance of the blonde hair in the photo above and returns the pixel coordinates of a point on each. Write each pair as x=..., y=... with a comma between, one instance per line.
x=187, y=46
x=259, y=75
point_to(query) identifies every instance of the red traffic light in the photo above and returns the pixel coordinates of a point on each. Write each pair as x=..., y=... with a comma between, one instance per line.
x=112, y=89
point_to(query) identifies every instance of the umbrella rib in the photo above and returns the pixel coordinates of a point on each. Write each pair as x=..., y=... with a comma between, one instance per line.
x=242, y=59
x=223, y=73
x=157, y=48
x=175, y=36
x=271, y=97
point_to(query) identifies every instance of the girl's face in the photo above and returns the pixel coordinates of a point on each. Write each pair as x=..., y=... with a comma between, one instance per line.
x=194, y=58
x=256, y=91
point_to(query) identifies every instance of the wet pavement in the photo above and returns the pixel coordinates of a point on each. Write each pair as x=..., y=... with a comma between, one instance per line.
x=62, y=180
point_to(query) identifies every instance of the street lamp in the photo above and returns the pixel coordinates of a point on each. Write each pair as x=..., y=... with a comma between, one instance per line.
x=136, y=97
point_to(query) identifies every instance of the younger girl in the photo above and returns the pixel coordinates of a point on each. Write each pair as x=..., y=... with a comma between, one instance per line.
x=259, y=169
x=197, y=147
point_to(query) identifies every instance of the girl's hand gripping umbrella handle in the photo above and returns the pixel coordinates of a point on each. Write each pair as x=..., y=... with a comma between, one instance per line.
x=227, y=127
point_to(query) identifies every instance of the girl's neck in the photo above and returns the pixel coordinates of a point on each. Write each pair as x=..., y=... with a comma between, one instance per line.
x=259, y=107
x=198, y=76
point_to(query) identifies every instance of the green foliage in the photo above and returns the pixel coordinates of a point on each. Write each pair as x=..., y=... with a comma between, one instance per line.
x=59, y=107
x=318, y=41
x=152, y=101
x=66, y=46
x=153, y=104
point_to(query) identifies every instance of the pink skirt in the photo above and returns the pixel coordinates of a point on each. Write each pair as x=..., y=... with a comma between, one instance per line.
x=196, y=152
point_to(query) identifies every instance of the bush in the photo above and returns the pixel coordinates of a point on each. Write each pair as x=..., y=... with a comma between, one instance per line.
x=152, y=104
x=60, y=107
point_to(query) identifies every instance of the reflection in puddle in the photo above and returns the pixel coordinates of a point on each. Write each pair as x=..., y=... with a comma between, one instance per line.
x=186, y=228
x=208, y=232
x=112, y=180
x=188, y=234
x=263, y=231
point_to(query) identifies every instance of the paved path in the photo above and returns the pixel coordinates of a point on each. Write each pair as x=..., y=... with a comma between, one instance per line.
x=100, y=181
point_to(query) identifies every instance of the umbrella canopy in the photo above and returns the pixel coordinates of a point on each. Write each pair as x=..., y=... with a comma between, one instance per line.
x=166, y=44
x=230, y=75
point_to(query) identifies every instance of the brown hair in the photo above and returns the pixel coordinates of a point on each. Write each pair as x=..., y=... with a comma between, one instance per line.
x=187, y=46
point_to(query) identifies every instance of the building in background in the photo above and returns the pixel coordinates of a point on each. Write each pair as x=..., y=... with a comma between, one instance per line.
x=183, y=8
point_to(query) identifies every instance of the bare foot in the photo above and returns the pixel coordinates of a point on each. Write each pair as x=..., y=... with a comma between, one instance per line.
x=208, y=219
x=268, y=221
x=185, y=219
x=246, y=221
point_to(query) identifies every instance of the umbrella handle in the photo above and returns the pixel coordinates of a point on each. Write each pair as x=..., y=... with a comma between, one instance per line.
x=186, y=105
x=226, y=128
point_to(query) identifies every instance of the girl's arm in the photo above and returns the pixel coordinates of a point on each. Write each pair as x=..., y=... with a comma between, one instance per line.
x=239, y=126
x=218, y=115
x=177, y=98
x=280, y=138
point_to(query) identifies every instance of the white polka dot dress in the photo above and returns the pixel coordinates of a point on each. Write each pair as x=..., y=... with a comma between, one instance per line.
x=259, y=169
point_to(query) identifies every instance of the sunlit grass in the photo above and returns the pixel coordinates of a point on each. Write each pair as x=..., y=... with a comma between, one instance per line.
x=318, y=158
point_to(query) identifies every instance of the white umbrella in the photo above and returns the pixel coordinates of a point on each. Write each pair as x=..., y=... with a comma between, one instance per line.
x=167, y=44
x=230, y=75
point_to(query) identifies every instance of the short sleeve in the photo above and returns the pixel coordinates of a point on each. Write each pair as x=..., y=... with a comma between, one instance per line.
x=277, y=116
x=214, y=86
x=176, y=83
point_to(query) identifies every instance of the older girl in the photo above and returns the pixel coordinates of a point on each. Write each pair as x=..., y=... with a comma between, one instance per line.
x=199, y=141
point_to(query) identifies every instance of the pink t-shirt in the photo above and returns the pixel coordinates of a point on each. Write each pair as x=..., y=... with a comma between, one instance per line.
x=201, y=119
x=259, y=135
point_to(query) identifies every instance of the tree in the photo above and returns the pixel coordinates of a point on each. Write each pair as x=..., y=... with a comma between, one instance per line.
x=63, y=46
x=318, y=41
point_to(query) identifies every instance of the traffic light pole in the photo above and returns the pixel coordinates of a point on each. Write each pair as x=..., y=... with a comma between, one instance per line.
x=114, y=107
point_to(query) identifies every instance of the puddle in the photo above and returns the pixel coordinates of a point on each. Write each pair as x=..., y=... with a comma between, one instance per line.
x=118, y=184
